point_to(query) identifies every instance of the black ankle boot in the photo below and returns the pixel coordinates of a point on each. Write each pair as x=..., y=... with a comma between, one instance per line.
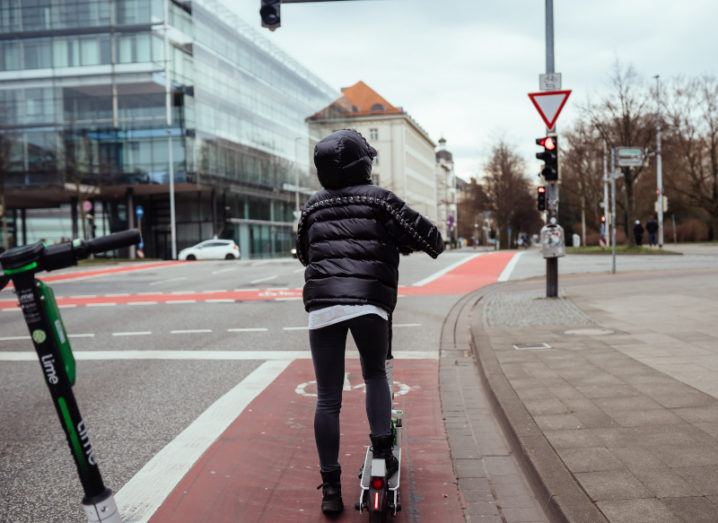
x=331, y=492
x=382, y=448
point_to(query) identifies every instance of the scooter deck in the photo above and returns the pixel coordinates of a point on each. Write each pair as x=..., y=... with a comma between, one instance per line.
x=394, y=481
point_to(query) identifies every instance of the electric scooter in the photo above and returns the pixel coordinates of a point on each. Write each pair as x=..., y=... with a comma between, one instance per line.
x=37, y=301
x=378, y=496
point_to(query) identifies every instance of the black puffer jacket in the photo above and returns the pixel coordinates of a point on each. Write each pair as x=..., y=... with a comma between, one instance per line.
x=350, y=234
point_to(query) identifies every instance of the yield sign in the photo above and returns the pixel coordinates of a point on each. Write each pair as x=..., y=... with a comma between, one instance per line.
x=549, y=105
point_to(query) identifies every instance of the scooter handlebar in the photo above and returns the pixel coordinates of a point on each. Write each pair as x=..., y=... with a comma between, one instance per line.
x=114, y=241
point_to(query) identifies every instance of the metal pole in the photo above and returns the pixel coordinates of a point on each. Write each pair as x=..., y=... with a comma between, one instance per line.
x=606, y=208
x=168, y=114
x=613, y=210
x=549, y=37
x=659, y=164
x=551, y=263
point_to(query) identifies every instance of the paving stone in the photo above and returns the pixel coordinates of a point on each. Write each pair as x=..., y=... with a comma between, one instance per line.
x=577, y=438
x=545, y=406
x=590, y=459
x=637, y=511
x=612, y=485
x=482, y=508
x=704, y=480
x=663, y=483
x=698, y=414
x=558, y=421
x=636, y=418
x=692, y=509
x=637, y=458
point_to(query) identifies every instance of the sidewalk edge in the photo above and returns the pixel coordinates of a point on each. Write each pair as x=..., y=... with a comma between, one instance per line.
x=564, y=499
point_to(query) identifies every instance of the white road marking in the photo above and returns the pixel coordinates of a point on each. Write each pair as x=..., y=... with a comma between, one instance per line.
x=205, y=355
x=506, y=273
x=80, y=296
x=117, y=294
x=277, y=289
x=298, y=270
x=132, y=333
x=249, y=329
x=86, y=335
x=141, y=303
x=295, y=328
x=257, y=264
x=219, y=301
x=445, y=270
x=11, y=309
x=100, y=304
x=400, y=325
x=161, y=282
x=142, y=495
x=245, y=290
x=293, y=298
x=214, y=290
x=177, y=302
x=191, y=331
x=181, y=292
x=268, y=278
x=14, y=338
x=66, y=306
x=146, y=293
x=228, y=269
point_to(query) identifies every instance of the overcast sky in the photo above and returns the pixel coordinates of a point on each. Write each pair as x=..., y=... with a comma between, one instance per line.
x=463, y=68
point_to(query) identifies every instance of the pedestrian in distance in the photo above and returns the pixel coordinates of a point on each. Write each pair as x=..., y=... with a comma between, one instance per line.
x=652, y=229
x=349, y=237
x=638, y=233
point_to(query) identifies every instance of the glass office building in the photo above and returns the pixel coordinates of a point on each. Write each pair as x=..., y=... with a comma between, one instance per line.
x=101, y=101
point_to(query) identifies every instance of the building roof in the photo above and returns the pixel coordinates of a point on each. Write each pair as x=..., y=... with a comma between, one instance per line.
x=357, y=100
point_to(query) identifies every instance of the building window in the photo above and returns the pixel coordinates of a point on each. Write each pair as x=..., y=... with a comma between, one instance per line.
x=373, y=133
x=375, y=179
x=376, y=159
x=377, y=108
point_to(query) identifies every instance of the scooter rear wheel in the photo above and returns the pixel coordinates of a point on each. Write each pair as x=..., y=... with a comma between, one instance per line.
x=378, y=517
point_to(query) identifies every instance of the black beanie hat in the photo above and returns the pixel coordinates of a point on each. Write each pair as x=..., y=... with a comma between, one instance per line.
x=344, y=158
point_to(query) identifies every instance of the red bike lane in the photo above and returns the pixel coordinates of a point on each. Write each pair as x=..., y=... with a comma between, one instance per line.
x=264, y=466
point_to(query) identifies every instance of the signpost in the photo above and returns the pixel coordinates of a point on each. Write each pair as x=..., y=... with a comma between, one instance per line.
x=550, y=81
x=549, y=105
x=630, y=156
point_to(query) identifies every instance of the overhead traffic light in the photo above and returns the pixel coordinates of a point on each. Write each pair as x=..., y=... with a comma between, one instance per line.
x=270, y=14
x=549, y=156
x=542, y=198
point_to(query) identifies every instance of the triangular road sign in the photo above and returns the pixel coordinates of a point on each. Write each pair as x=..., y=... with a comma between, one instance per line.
x=549, y=105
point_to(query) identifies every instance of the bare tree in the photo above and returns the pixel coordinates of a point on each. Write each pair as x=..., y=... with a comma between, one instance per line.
x=624, y=118
x=692, y=144
x=582, y=172
x=508, y=191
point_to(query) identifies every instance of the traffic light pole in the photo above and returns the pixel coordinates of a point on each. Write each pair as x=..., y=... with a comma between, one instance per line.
x=551, y=263
x=659, y=165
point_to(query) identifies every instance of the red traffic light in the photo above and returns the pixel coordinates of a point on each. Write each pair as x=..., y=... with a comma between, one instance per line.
x=547, y=143
x=541, y=189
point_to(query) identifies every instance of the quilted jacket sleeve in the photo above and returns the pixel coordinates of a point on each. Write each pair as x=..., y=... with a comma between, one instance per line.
x=411, y=230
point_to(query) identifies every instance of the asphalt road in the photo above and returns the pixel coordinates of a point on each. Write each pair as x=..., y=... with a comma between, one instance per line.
x=135, y=407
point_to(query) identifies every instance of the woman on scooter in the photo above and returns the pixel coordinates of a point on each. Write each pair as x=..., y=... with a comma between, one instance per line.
x=349, y=237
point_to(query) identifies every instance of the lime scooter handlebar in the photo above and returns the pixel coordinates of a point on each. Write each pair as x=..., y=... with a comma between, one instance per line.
x=67, y=254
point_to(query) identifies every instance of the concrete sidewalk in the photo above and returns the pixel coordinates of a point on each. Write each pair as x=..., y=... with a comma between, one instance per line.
x=611, y=391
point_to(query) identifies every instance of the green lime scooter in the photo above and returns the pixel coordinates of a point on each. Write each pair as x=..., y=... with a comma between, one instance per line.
x=37, y=301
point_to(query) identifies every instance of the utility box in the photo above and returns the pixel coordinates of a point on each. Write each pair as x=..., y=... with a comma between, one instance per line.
x=553, y=243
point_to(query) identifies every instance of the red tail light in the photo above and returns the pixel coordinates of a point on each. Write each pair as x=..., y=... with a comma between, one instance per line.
x=376, y=501
x=377, y=483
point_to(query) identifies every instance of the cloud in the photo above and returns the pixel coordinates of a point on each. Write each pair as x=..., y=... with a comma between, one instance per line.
x=463, y=68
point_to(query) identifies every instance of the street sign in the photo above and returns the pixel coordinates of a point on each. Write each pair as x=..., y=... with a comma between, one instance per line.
x=630, y=156
x=665, y=205
x=139, y=212
x=549, y=105
x=550, y=81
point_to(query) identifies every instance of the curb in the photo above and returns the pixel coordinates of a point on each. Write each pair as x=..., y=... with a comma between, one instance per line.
x=549, y=477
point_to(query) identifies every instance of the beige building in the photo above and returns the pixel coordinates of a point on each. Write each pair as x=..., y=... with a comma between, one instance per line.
x=406, y=162
x=447, y=208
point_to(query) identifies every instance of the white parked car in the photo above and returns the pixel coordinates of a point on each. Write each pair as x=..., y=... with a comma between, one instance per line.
x=211, y=250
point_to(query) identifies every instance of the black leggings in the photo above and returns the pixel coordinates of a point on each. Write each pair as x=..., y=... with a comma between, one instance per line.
x=328, y=344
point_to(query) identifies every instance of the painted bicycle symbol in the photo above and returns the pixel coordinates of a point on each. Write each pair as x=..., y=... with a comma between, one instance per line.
x=308, y=388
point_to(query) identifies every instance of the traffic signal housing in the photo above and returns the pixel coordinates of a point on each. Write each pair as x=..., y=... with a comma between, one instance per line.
x=549, y=156
x=542, y=198
x=269, y=11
